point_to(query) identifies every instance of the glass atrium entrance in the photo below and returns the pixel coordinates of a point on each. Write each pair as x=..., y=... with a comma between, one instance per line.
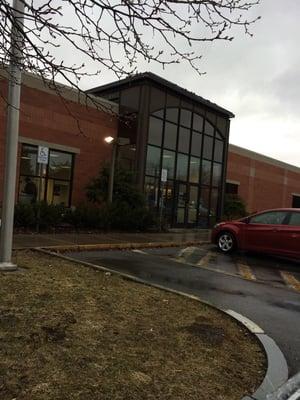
x=181, y=148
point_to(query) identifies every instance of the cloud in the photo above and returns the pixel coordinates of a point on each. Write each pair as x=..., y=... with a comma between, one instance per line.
x=255, y=77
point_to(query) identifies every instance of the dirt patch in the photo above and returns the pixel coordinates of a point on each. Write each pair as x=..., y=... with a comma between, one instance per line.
x=70, y=332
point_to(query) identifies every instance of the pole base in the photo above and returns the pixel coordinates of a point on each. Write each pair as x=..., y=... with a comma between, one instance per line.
x=7, y=266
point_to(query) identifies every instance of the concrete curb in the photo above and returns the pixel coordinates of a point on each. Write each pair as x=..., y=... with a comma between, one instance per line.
x=289, y=391
x=277, y=369
x=118, y=246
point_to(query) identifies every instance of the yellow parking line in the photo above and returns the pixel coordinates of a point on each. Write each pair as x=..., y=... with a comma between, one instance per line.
x=246, y=271
x=290, y=280
x=206, y=259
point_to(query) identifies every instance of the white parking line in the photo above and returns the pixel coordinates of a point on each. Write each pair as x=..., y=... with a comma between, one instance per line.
x=140, y=252
x=185, y=253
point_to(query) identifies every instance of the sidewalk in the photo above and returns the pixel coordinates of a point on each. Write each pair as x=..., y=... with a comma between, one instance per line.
x=111, y=238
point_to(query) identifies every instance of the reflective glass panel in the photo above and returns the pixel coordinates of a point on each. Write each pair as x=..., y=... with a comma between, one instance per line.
x=157, y=100
x=130, y=98
x=211, y=117
x=60, y=165
x=181, y=203
x=204, y=202
x=198, y=123
x=222, y=125
x=159, y=113
x=218, y=156
x=172, y=101
x=168, y=163
x=196, y=144
x=168, y=196
x=206, y=171
x=170, y=136
x=172, y=114
x=218, y=136
x=30, y=190
x=214, y=202
x=182, y=167
x=194, y=169
x=155, y=131
x=192, y=209
x=207, y=147
x=58, y=192
x=185, y=118
x=153, y=161
x=29, y=164
x=151, y=191
x=180, y=215
x=184, y=140
x=217, y=174
x=208, y=128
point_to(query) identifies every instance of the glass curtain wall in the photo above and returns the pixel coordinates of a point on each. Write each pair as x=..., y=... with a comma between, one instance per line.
x=190, y=146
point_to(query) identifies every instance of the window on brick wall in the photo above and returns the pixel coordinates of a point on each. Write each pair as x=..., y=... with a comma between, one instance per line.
x=296, y=201
x=232, y=188
x=40, y=182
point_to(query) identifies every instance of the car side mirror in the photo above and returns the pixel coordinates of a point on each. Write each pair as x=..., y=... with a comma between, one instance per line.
x=246, y=220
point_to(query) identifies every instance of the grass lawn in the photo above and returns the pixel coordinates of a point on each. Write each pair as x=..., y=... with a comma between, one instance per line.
x=70, y=332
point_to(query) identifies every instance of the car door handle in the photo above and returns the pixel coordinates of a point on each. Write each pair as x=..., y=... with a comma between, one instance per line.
x=274, y=230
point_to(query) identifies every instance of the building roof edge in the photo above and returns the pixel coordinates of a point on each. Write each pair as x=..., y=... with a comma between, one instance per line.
x=162, y=81
x=263, y=158
x=67, y=92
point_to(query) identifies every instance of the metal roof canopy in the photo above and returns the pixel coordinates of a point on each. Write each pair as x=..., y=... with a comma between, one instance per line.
x=149, y=76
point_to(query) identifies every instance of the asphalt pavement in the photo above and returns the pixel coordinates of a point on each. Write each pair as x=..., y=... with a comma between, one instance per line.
x=263, y=289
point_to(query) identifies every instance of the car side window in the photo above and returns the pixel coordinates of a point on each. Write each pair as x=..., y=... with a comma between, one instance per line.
x=295, y=219
x=269, y=218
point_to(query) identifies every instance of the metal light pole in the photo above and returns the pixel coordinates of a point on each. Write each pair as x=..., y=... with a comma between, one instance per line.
x=116, y=143
x=12, y=133
x=112, y=172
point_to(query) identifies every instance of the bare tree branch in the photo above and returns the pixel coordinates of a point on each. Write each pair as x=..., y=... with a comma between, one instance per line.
x=118, y=34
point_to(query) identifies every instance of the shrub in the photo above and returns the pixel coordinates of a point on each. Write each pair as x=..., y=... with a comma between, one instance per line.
x=42, y=215
x=48, y=215
x=24, y=216
x=128, y=210
x=234, y=207
x=125, y=190
x=124, y=217
x=87, y=217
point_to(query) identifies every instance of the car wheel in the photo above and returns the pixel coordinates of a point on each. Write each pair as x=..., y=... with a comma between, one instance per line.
x=226, y=242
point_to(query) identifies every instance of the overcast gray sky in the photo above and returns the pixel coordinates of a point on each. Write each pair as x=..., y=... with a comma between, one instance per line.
x=257, y=78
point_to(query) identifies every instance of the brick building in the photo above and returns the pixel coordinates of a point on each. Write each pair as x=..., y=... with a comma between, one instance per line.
x=73, y=132
x=171, y=129
x=262, y=181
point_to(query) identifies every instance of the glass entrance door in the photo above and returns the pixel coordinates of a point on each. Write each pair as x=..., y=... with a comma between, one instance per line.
x=180, y=202
x=193, y=205
x=186, y=205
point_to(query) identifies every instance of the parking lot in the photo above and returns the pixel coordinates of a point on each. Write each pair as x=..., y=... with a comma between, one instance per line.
x=253, y=267
x=263, y=289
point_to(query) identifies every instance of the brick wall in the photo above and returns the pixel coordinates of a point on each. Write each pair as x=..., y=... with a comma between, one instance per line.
x=263, y=182
x=50, y=118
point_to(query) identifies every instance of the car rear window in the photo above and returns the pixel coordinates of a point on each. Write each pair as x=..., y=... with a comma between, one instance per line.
x=295, y=219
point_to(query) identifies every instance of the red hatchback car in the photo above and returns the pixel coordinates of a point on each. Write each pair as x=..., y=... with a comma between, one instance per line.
x=273, y=231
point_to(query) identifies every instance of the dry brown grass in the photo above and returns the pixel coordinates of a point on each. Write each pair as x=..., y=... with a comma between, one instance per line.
x=69, y=332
